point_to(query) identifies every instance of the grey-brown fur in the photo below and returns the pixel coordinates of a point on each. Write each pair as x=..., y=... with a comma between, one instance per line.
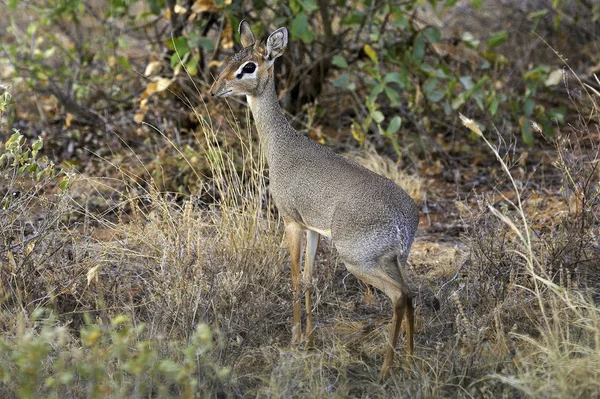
x=372, y=221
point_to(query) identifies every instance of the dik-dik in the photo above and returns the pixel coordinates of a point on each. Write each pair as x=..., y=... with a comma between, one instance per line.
x=371, y=221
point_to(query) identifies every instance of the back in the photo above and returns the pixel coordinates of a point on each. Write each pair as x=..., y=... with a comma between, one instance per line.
x=309, y=183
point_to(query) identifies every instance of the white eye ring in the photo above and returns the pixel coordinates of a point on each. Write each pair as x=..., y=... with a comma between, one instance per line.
x=241, y=74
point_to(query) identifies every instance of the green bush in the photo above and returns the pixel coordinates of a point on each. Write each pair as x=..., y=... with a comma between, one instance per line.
x=44, y=359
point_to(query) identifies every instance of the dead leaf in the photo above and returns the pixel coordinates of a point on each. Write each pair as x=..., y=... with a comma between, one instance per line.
x=139, y=116
x=227, y=36
x=204, y=6
x=6, y=71
x=215, y=63
x=152, y=68
x=168, y=14
x=554, y=78
x=159, y=85
x=30, y=247
x=12, y=264
x=92, y=274
x=68, y=120
x=141, y=113
x=471, y=125
x=179, y=9
x=163, y=84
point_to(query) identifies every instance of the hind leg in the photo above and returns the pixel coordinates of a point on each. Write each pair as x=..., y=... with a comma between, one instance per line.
x=410, y=325
x=388, y=278
x=399, y=310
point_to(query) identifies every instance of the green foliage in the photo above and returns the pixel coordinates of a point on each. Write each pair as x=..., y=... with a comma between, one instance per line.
x=19, y=160
x=67, y=52
x=375, y=52
x=45, y=360
x=5, y=101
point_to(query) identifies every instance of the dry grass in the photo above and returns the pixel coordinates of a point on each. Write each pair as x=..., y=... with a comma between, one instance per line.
x=508, y=326
x=412, y=184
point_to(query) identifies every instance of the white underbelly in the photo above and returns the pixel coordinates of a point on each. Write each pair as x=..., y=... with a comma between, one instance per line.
x=326, y=233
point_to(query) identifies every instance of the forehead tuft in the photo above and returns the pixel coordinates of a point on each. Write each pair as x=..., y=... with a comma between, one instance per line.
x=242, y=55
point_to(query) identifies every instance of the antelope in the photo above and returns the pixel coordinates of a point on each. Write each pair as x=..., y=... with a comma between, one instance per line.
x=371, y=221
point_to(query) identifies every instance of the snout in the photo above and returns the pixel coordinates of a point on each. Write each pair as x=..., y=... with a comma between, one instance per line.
x=218, y=89
x=212, y=91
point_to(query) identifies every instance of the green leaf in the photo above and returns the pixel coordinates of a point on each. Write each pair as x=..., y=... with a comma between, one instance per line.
x=294, y=6
x=207, y=43
x=400, y=21
x=558, y=114
x=156, y=6
x=493, y=108
x=430, y=85
x=537, y=72
x=194, y=39
x=447, y=108
x=395, y=77
x=31, y=28
x=377, y=116
x=308, y=5
x=176, y=61
x=458, y=101
x=497, y=39
x=192, y=65
x=343, y=82
x=418, y=52
x=179, y=44
x=339, y=61
x=375, y=91
x=538, y=14
x=300, y=29
x=476, y=4
x=124, y=62
x=529, y=106
x=435, y=96
x=470, y=40
x=64, y=184
x=467, y=82
x=371, y=53
x=393, y=96
x=394, y=125
x=37, y=146
x=433, y=35
x=526, y=130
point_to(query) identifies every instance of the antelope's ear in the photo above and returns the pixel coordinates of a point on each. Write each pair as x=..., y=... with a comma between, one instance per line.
x=246, y=35
x=276, y=44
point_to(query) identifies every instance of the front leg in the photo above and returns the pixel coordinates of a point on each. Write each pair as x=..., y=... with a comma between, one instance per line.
x=312, y=242
x=293, y=239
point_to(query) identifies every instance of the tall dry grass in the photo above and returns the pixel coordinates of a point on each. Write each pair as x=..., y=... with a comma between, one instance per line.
x=114, y=288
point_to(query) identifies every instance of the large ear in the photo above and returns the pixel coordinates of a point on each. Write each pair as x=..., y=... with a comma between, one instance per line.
x=246, y=35
x=276, y=43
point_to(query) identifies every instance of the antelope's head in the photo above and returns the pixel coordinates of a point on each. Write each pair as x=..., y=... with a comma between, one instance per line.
x=247, y=72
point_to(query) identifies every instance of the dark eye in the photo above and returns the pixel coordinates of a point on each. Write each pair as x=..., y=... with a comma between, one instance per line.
x=249, y=67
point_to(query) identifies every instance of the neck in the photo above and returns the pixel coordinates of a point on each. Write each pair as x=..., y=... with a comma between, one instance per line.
x=269, y=119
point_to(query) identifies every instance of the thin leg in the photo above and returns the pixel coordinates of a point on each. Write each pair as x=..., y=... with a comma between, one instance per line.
x=410, y=325
x=293, y=237
x=312, y=242
x=399, y=308
x=388, y=278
